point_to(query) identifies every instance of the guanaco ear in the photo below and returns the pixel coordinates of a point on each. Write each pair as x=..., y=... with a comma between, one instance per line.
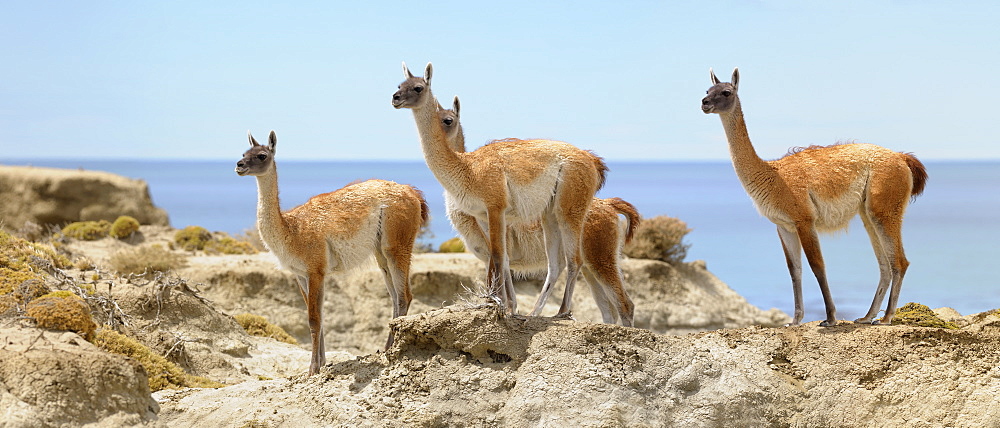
x=454, y=105
x=253, y=142
x=427, y=73
x=406, y=71
x=736, y=79
x=272, y=141
x=715, y=80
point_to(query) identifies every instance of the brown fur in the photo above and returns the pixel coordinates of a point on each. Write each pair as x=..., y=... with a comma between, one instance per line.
x=819, y=189
x=600, y=258
x=509, y=182
x=337, y=231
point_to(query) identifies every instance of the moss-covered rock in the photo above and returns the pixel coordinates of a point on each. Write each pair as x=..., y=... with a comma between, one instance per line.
x=62, y=310
x=453, y=245
x=229, y=245
x=256, y=325
x=87, y=230
x=659, y=238
x=162, y=373
x=21, y=261
x=192, y=238
x=123, y=227
x=919, y=315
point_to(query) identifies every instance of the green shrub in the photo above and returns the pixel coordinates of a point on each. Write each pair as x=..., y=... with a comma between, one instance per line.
x=148, y=259
x=124, y=227
x=256, y=325
x=920, y=315
x=21, y=261
x=659, y=238
x=192, y=238
x=228, y=245
x=453, y=245
x=162, y=373
x=87, y=230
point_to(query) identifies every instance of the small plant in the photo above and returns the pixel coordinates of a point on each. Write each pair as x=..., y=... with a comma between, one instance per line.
x=920, y=315
x=87, y=230
x=256, y=325
x=62, y=310
x=145, y=259
x=659, y=238
x=453, y=245
x=84, y=263
x=21, y=261
x=124, y=227
x=226, y=244
x=192, y=238
x=162, y=373
x=252, y=237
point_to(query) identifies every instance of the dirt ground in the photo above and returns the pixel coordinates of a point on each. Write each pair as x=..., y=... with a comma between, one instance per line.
x=698, y=356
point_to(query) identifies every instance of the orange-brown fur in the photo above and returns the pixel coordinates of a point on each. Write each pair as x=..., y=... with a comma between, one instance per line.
x=337, y=231
x=602, y=240
x=819, y=189
x=510, y=182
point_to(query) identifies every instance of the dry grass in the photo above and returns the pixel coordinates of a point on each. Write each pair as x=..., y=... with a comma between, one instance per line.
x=145, y=260
x=659, y=238
x=257, y=325
x=162, y=373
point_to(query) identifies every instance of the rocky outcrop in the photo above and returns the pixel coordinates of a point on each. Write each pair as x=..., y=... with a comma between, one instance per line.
x=57, y=379
x=59, y=196
x=669, y=298
x=457, y=361
x=472, y=367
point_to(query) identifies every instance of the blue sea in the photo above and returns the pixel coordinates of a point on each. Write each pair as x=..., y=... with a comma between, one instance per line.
x=951, y=233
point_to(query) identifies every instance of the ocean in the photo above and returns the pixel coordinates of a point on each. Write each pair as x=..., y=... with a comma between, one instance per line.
x=951, y=233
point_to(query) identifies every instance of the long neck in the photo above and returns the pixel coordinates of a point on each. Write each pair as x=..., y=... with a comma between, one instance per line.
x=270, y=223
x=745, y=160
x=448, y=167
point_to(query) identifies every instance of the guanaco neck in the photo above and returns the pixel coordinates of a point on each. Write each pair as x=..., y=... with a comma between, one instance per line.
x=270, y=223
x=749, y=167
x=446, y=164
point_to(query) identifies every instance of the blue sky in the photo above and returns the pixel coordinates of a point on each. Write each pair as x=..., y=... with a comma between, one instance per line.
x=186, y=80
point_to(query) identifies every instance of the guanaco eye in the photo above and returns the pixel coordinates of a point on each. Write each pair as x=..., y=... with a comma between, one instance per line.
x=727, y=93
x=418, y=89
x=449, y=121
x=261, y=156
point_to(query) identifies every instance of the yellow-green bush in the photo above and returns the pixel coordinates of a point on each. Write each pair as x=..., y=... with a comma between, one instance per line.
x=21, y=261
x=453, y=245
x=229, y=245
x=149, y=259
x=256, y=325
x=62, y=310
x=87, y=230
x=920, y=315
x=162, y=373
x=659, y=238
x=192, y=238
x=124, y=227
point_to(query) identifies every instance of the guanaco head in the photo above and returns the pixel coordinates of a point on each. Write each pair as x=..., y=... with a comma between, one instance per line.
x=258, y=159
x=414, y=91
x=721, y=96
x=452, y=127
